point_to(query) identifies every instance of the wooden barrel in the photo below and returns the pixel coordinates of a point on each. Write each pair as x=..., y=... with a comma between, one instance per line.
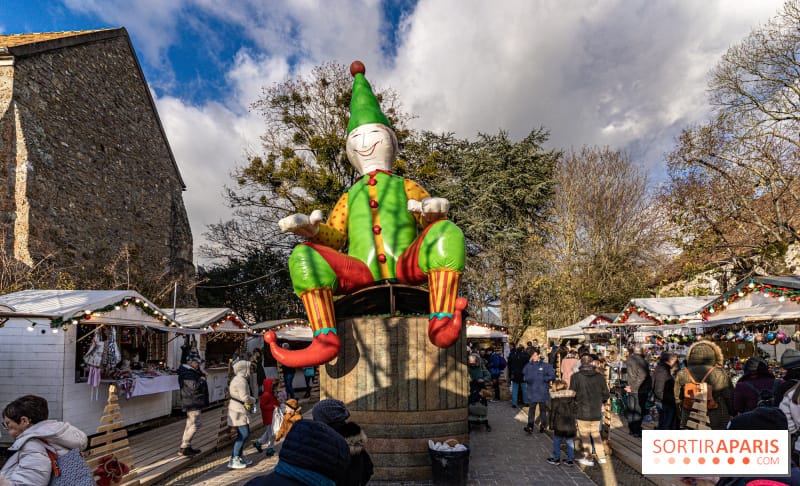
x=401, y=389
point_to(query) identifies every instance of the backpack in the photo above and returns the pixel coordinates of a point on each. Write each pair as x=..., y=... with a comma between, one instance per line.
x=69, y=469
x=693, y=388
x=766, y=397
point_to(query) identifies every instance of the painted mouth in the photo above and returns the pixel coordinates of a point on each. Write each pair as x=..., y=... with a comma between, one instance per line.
x=365, y=153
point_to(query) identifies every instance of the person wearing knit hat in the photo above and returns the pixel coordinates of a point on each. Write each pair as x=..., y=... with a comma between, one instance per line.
x=754, y=387
x=313, y=454
x=378, y=219
x=334, y=413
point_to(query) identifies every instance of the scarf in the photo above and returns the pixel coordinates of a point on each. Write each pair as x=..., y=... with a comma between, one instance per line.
x=306, y=476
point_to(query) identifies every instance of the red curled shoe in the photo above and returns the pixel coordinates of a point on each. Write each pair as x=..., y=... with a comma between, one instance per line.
x=443, y=331
x=324, y=348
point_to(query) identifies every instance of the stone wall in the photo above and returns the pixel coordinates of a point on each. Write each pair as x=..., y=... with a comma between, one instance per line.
x=105, y=198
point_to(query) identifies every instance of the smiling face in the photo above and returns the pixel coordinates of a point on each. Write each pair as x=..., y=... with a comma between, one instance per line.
x=370, y=147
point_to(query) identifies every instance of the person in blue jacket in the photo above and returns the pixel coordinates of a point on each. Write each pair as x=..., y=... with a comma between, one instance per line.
x=537, y=374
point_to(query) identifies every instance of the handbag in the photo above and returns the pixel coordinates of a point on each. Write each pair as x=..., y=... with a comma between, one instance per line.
x=69, y=469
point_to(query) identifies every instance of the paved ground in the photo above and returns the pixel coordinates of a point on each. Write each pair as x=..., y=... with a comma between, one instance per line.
x=506, y=456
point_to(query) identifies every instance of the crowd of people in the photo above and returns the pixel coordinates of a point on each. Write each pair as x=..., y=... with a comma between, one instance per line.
x=566, y=389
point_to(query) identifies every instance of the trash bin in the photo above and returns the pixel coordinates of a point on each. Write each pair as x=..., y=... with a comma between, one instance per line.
x=450, y=467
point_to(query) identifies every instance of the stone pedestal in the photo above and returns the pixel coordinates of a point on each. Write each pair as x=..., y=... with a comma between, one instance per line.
x=401, y=389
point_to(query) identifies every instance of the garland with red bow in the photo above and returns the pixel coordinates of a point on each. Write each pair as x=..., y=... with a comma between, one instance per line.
x=110, y=471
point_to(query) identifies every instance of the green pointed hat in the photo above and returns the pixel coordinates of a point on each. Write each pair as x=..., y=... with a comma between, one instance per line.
x=364, y=107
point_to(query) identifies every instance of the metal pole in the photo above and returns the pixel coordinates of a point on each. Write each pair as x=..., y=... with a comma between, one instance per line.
x=174, y=300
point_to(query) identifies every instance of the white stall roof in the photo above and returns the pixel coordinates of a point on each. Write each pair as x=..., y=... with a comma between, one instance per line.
x=665, y=309
x=573, y=330
x=203, y=318
x=65, y=303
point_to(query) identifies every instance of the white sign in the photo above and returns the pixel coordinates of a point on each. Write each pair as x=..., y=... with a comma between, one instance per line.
x=716, y=453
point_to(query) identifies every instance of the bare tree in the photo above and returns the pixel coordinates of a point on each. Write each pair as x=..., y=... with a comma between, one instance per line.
x=604, y=241
x=734, y=191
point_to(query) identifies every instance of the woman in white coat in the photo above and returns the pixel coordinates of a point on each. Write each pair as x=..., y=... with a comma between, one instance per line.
x=237, y=414
x=25, y=419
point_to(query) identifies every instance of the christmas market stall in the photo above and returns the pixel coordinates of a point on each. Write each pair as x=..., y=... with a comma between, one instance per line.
x=222, y=336
x=62, y=344
x=295, y=332
x=661, y=322
x=759, y=311
x=483, y=335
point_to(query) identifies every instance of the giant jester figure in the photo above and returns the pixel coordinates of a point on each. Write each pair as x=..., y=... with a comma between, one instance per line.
x=394, y=229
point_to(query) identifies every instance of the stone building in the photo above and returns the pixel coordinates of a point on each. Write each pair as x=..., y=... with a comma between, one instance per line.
x=88, y=177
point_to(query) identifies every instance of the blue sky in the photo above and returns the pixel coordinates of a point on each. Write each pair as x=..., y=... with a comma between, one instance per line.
x=624, y=73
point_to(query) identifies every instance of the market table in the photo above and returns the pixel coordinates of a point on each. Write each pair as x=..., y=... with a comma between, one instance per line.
x=147, y=385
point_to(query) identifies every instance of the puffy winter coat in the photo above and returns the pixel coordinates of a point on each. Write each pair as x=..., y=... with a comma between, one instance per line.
x=30, y=465
x=361, y=468
x=194, y=392
x=268, y=402
x=563, y=413
x=239, y=390
x=537, y=376
x=591, y=392
x=701, y=357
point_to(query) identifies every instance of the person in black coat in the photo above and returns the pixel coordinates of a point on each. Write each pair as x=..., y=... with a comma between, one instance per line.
x=562, y=421
x=517, y=360
x=335, y=414
x=639, y=388
x=194, y=397
x=313, y=454
x=591, y=392
x=664, y=391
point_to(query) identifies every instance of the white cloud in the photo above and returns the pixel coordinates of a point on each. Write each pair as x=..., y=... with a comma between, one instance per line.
x=629, y=74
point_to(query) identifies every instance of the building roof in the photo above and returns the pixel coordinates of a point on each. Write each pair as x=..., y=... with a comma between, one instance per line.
x=24, y=45
x=38, y=38
x=665, y=310
x=211, y=319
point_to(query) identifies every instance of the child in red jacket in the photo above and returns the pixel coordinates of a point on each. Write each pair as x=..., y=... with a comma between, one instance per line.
x=268, y=404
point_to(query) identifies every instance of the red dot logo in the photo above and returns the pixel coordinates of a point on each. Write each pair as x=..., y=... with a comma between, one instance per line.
x=746, y=460
x=715, y=460
x=731, y=460
x=702, y=460
x=686, y=460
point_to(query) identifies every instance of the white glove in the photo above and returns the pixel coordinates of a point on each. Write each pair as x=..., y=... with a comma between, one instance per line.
x=432, y=208
x=302, y=225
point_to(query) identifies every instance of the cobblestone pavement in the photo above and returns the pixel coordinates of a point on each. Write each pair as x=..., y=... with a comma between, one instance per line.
x=505, y=456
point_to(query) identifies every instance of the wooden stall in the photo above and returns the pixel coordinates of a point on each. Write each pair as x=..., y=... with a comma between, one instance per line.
x=46, y=334
x=221, y=336
x=296, y=332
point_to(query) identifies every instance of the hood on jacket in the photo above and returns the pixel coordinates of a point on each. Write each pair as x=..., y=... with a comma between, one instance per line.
x=57, y=434
x=242, y=368
x=353, y=434
x=267, y=384
x=704, y=353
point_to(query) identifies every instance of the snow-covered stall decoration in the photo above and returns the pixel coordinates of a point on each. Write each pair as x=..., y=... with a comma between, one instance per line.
x=46, y=338
x=221, y=335
x=660, y=311
x=761, y=310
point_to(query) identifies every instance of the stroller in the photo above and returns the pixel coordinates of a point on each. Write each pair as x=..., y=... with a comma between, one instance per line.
x=478, y=405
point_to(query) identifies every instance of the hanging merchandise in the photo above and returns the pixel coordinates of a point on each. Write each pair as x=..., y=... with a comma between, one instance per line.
x=113, y=353
x=94, y=360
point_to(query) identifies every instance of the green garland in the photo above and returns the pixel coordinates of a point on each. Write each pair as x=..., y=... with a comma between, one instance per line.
x=126, y=301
